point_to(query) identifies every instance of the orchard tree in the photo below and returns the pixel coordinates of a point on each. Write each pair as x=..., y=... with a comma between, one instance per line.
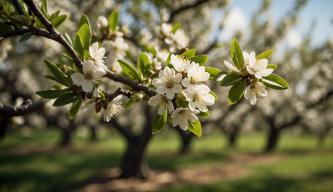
x=171, y=77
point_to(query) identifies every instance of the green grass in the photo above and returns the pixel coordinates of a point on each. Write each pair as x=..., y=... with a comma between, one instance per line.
x=303, y=166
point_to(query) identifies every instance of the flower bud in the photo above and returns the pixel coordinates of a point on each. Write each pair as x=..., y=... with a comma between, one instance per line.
x=102, y=22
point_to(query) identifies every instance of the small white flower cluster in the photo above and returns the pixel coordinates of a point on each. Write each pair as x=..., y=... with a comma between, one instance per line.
x=176, y=40
x=93, y=70
x=183, y=77
x=255, y=69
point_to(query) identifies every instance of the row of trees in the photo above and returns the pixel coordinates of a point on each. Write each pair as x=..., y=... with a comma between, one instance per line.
x=305, y=67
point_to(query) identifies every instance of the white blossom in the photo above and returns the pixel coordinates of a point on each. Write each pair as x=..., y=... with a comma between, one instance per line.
x=232, y=67
x=113, y=109
x=90, y=73
x=195, y=75
x=102, y=22
x=97, y=55
x=161, y=104
x=182, y=116
x=254, y=90
x=177, y=40
x=168, y=82
x=199, y=97
x=256, y=67
x=179, y=63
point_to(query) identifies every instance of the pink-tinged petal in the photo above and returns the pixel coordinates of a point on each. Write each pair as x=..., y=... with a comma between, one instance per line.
x=87, y=85
x=77, y=78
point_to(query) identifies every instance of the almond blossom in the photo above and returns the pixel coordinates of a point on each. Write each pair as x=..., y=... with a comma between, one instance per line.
x=199, y=97
x=179, y=63
x=113, y=109
x=256, y=67
x=195, y=75
x=90, y=73
x=182, y=116
x=168, y=82
x=97, y=55
x=254, y=90
x=161, y=104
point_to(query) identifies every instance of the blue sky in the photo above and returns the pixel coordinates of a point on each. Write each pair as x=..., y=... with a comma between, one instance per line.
x=319, y=10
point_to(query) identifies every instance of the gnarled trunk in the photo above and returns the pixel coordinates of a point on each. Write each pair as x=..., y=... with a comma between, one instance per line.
x=66, y=137
x=233, y=136
x=93, y=133
x=272, y=139
x=132, y=163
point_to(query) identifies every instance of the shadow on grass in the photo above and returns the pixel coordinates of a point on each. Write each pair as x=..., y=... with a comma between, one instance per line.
x=267, y=182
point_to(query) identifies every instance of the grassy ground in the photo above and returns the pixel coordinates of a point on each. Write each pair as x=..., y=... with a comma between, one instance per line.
x=30, y=162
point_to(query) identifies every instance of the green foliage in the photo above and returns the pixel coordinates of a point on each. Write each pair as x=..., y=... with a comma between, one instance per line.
x=175, y=27
x=275, y=82
x=230, y=79
x=264, y=55
x=57, y=74
x=113, y=20
x=129, y=70
x=200, y=59
x=236, y=54
x=195, y=128
x=83, y=37
x=143, y=64
x=159, y=122
x=236, y=92
x=272, y=66
x=75, y=107
x=65, y=99
x=58, y=20
x=214, y=72
x=189, y=53
x=52, y=94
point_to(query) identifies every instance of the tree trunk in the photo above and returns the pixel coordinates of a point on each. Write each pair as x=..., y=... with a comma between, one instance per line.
x=233, y=136
x=272, y=139
x=186, y=141
x=4, y=121
x=132, y=163
x=66, y=137
x=93, y=133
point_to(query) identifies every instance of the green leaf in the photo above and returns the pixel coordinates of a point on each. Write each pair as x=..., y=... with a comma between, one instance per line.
x=236, y=92
x=113, y=20
x=58, y=75
x=25, y=37
x=230, y=79
x=84, y=35
x=129, y=70
x=58, y=20
x=204, y=114
x=84, y=20
x=200, y=59
x=78, y=46
x=214, y=72
x=272, y=66
x=175, y=27
x=51, y=94
x=4, y=27
x=159, y=122
x=143, y=64
x=189, y=53
x=236, y=54
x=44, y=7
x=195, y=128
x=65, y=99
x=264, y=55
x=275, y=82
x=75, y=107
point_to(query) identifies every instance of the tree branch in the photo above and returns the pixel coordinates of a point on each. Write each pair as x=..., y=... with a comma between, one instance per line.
x=26, y=108
x=179, y=10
